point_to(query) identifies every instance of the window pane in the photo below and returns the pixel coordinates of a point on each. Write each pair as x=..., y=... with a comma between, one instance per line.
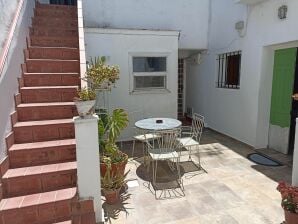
x=233, y=70
x=149, y=64
x=142, y=82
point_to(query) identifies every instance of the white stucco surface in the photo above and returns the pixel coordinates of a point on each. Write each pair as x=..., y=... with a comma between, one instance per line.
x=11, y=71
x=87, y=154
x=118, y=46
x=243, y=114
x=190, y=17
x=7, y=9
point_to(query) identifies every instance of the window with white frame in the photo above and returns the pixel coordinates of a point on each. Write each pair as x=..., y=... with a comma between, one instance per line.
x=149, y=72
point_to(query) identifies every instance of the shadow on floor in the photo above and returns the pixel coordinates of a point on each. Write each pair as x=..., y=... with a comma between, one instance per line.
x=112, y=212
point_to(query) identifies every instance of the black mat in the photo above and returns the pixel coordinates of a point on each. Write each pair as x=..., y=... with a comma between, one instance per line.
x=264, y=160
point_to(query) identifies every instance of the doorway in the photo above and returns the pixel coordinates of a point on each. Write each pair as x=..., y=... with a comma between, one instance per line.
x=63, y=2
x=180, y=102
x=283, y=110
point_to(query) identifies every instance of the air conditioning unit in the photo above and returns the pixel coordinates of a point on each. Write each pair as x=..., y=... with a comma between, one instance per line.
x=196, y=59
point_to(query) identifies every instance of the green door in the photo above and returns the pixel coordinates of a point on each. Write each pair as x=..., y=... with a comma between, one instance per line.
x=282, y=87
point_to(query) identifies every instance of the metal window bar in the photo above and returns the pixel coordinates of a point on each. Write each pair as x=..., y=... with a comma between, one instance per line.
x=223, y=68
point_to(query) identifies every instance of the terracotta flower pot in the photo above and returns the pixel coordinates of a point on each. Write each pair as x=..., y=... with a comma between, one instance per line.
x=291, y=218
x=120, y=167
x=85, y=108
x=112, y=196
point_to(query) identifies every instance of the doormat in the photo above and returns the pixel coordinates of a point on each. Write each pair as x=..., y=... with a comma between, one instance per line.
x=263, y=160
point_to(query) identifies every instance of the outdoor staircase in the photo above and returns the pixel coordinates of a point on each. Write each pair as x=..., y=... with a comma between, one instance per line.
x=40, y=183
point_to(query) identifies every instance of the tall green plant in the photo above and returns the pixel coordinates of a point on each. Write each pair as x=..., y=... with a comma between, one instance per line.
x=109, y=130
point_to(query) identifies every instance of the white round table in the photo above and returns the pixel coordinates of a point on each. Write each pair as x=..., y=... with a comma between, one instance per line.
x=152, y=125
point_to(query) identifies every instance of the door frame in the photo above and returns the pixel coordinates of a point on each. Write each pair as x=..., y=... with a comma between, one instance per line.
x=265, y=91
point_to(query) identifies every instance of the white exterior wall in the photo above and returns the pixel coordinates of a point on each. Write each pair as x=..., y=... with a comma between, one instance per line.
x=243, y=114
x=11, y=71
x=117, y=46
x=188, y=16
x=7, y=9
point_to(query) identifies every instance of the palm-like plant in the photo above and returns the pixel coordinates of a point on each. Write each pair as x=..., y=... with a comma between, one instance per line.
x=109, y=129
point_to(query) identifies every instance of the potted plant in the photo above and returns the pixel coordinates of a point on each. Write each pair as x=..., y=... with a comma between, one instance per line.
x=109, y=129
x=111, y=184
x=85, y=101
x=101, y=75
x=289, y=202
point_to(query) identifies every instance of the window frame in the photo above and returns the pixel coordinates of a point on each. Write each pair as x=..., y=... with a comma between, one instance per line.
x=132, y=86
x=222, y=64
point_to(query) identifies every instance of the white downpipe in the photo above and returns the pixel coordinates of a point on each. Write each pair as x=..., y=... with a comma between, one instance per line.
x=88, y=169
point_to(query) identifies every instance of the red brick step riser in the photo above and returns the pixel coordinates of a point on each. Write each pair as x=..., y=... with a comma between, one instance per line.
x=45, y=213
x=43, y=31
x=43, y=133
x=42, y=156
x=37, y=113
x=32, y=184
x=55, y=13
x=52, y=53
x=56, y=41
x=55, y=7
x=43, y=79
x=54, y=22
x=48, y=95
x=52, y=66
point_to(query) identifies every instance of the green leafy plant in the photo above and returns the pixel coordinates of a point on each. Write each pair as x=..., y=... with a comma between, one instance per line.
x=86, y=94
x=100, y=75
x=113, y=181
x=109, y=129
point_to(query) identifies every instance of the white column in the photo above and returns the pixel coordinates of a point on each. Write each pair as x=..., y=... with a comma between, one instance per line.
x=88, y=169
x=295, y=159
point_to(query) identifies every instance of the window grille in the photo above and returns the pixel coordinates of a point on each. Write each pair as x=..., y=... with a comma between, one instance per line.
x=229, y=67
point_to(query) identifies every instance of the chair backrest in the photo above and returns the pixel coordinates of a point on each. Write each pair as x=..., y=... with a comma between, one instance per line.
x=197, y=125
x=167, y=141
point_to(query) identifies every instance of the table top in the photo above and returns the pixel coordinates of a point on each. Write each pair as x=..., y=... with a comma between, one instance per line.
x=150, y=124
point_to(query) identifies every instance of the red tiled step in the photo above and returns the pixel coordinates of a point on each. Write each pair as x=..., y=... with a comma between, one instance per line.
x=52, y=66
x=41, y=153
x=48, y=207
x=55, y=7
x=47, y=130
x=49, y=12
x=54, y=41
x=37, y=179
x=46, y=111
x=53, y=31
x=42, y=94
x=64, y=53
x=51, y=79
x=54, y=22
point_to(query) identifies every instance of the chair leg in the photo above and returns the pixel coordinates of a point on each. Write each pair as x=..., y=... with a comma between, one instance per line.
x=154, y=168
x=133, y=147
x=189, y=154
x=179, y=174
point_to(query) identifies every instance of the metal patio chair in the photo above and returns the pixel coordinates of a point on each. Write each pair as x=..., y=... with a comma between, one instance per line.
x=191, y=136
x=143, y=136
x=166, y=148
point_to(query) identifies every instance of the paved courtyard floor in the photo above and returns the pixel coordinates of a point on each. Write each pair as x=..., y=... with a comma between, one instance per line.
x=231, y=190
